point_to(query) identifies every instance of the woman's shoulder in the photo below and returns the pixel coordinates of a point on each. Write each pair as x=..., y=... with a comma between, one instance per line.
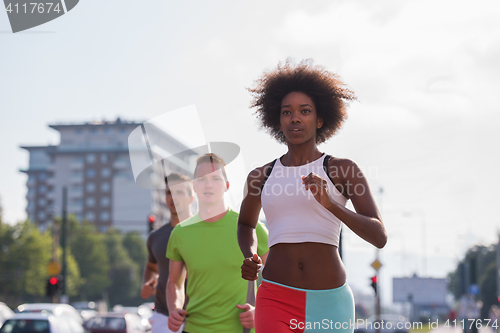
x=260, y=173
x=341, y=162
x=341, y=172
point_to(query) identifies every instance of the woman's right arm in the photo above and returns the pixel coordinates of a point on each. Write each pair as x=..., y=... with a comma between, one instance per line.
x=247, y=221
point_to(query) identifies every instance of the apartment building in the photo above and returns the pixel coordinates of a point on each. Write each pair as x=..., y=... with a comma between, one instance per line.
x=93, y=163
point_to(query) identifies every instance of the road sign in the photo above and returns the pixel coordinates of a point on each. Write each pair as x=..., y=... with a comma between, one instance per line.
x=474, y=289
x=376, y=264
x=54, y=268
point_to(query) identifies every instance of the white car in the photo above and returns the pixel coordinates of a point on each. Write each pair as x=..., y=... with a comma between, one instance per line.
x=40, y=323
x=56, y=309
x=143, y=311
x=5, y=313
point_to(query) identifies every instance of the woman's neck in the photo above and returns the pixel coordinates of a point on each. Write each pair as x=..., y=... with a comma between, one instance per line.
x=301, y=154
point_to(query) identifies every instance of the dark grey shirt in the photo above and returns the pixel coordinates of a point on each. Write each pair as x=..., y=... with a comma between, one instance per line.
x=157, y=254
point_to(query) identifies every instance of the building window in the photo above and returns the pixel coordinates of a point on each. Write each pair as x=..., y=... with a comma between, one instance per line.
x=76, y=188
x=105, y=172
x=103, y=228
x=77, y=173
x=42, y=189
x=41, y=202
x=104, y=158
x=90, y=216
x=41, y=216
x=90, y=187
x=104, y=216
x=43, y=226
x=104, y=202
x=122, y=174
x=90, y=173
x=42, y=176
x=105, y=187
x=77, y=202
x=90, y=202
x=91, y=158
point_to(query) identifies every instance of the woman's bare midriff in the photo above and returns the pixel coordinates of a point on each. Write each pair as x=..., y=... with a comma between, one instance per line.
x=314, y=266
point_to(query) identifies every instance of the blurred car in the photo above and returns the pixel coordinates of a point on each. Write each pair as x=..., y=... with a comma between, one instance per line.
x=5, y=313
x=116, y=323
x=144, y=311
x=389, y=323
x=40, y=323
x=56, y=309
x=149, y=305
x=86, y=309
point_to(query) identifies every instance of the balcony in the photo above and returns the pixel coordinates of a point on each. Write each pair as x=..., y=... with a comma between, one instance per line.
x=121, y=164
x=76, y=165
x=76, y=179
x=74, y=209
x=75, y=194
x=51, y=195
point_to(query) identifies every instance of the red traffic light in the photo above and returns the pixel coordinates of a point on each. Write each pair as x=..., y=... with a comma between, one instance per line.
x=152, y=218
x=53, y=280
x=374, y=279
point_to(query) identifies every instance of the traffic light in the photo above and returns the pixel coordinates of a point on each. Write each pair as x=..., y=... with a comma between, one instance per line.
x=374, y=283
x=54, y=283
x=151, y=222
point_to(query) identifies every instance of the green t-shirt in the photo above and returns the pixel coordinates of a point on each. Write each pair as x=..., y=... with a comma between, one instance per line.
x=213, y=260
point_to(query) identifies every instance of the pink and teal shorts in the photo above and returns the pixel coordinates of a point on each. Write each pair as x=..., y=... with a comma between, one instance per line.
x=280, y=308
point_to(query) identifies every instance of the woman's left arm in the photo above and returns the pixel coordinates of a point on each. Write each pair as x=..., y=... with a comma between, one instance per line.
x=366, y=222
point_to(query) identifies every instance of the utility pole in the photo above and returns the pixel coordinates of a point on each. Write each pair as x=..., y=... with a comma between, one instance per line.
x=64, y=297
x=54, y=264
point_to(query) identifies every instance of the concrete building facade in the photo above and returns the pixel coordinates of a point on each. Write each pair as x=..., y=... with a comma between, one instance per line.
x=92, y=161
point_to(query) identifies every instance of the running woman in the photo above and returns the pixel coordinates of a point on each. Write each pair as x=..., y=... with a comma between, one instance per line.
x=303, y=194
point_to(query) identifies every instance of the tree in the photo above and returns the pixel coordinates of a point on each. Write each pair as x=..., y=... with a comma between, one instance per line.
x=25, y=255
x=124, y=273
x=478, y=267
x=488, y=285
x=91, y=255
x=136, y=248
x=73, y=280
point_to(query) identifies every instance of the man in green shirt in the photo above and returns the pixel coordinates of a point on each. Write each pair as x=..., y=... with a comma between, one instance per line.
x=207, y=246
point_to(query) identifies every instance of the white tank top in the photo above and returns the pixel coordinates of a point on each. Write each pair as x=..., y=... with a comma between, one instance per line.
x=292, y=213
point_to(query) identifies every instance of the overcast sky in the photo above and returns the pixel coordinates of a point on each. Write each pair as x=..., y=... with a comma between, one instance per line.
x=425, y=128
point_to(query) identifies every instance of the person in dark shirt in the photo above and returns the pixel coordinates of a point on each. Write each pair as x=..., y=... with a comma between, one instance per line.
x=179, y=197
